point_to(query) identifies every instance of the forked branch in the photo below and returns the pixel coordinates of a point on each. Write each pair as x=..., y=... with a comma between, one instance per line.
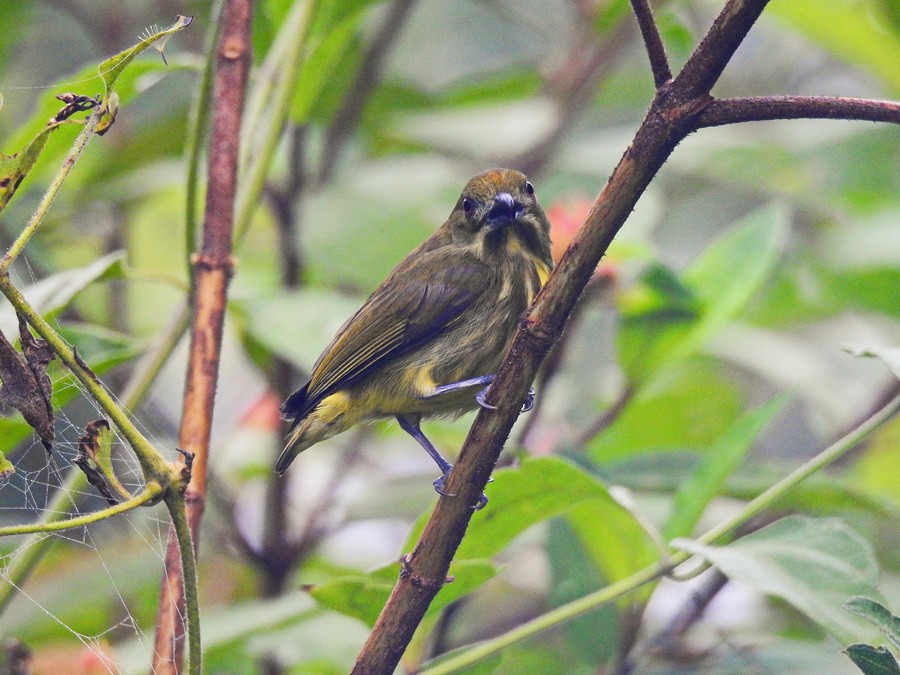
x=677, y=110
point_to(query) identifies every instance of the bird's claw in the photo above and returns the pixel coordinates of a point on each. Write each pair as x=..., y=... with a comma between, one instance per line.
x=480, y=398
x=439, y=488
x=526, y=406
x=529, y=400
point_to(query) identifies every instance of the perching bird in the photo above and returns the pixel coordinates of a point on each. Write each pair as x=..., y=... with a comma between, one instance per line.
x=428, y=340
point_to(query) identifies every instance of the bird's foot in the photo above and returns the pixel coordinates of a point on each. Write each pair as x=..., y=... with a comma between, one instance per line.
x=479, y=397
x=529, y=401
x=526, y=406
x=439, y=488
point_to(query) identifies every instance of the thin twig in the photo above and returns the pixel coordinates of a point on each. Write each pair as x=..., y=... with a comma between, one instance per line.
x=735, y=110
x=606, y=418
x=212, y=271
x=151, y=491
x=656, y=50
x=78, y=147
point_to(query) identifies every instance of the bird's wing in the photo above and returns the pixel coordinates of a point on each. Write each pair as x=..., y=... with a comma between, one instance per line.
x=422, y=296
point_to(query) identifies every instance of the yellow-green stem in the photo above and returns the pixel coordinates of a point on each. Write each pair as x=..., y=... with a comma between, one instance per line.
x=176, y=505
x=153, y=464
x=151, y=491
x=74, y=153
x=253, y=179
x=198, y=125
x=632, y=583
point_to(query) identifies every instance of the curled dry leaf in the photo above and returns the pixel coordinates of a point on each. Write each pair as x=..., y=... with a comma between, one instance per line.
x=26, y=386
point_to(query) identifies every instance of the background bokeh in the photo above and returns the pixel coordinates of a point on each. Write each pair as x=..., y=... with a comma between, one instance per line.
x=755, y=255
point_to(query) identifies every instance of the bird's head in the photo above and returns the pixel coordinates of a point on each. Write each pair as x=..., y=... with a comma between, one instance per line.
x=498, y=214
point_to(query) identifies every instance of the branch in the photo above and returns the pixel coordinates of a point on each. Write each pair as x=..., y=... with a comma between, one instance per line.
x=81, y=141
x=151, y=492
x=465, y=658
x=669, y=120
x=212, y=271
x=659, y=63
x=736, y=110
x=709, y=59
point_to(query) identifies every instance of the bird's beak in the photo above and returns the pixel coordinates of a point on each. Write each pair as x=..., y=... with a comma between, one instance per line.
x=504, y=211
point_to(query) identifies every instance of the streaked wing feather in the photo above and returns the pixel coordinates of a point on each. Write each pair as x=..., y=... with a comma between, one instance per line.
x=408, y=309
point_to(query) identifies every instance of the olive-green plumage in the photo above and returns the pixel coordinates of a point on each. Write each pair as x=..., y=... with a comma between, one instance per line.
x=446, y=313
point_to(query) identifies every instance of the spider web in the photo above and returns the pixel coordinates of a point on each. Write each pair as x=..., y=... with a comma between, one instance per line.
x=94, y=585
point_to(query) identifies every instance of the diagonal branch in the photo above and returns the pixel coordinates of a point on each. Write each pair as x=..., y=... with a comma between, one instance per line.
x=669, y=120
x=659, y=62
x=715, y=50
x=735, y=110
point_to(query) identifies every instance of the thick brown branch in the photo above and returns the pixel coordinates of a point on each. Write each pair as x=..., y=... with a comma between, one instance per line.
x=735, y=110
x=212, y=271
x=709, y=59
x=672, y=115
x=659, y=63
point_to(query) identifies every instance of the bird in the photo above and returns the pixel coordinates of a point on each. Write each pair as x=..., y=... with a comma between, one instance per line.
x=428, y=341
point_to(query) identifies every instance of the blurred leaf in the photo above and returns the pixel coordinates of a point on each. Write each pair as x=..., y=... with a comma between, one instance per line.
x=609, y=14
x=857, y=32
x=723, y=280
x=873, y=660
x=294, y=325
x=55, y=292
x=14, y=168
x=872, y=289
x=876, y=469
x=363, y=596
x=689, y=410
x=718, y=463
x=319, y=70
x=575, y=574
x=890, y=355
x=545, y=487
x=878, y=615
x=814, y=564
x=6, y=467
x=659, y=292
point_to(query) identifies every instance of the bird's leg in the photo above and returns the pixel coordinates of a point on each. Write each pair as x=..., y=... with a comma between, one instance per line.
x=410, y=424
x=485, y=381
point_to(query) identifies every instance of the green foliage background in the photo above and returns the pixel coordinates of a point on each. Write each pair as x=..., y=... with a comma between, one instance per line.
x=714, y=333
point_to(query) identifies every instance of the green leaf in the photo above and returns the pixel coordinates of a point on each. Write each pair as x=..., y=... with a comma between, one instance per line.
x=689, y=410
x=55, y=292
x=111, y=68
x=549, y=486
x=718, y=464
x=719, y=285
x=362, y=596
x=6, y=467
x=814, y=564
x=873, y=660
x=295, y=326
x=878, y=615
x=322, y=67
x=890, y=355
x=857, y=32
x=14, y=168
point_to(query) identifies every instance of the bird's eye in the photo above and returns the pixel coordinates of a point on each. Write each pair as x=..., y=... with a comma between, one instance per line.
x=468, y=205
x=529, y=189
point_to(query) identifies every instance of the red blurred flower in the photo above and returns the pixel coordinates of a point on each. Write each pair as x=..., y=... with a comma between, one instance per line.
x=263, y=413
x=566, y=217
